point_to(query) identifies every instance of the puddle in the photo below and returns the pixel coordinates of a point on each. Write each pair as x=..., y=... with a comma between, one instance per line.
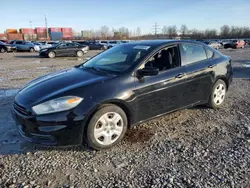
x=42, y=67
x=37, y=61
x=16, y=71
x=139, y=135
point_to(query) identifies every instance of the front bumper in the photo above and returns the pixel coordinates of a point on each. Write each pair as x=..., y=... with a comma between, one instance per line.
x=43, y=54
x=61, y=129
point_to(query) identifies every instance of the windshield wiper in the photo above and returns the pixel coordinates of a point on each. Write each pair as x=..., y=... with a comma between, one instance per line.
x=96, y=69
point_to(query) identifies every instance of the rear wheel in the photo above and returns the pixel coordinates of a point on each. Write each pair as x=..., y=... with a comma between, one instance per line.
x=32, y=49
x=242, y=46
x=106, y=128
x=2, y=50
x=51, y=54
x=218, y=94
x=79, y=53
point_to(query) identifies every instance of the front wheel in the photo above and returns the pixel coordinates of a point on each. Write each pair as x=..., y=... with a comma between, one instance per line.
x=106, y=128
x=51, y=54
x=2, y=50
x=32, y=49
x=218, y=94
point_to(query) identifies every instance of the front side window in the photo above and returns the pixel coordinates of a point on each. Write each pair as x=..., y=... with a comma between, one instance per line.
x=165, y=59
x=193, y=53
x=119, y=58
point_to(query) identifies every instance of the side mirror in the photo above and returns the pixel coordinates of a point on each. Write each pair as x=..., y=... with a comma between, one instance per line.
x=148, y=71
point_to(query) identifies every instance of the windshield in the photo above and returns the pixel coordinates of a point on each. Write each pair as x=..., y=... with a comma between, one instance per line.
x=119, y=58
x=2, y=43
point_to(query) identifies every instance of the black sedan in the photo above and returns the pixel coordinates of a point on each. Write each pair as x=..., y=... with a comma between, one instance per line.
x=99, y=100
x=64, y=49
x=93, y=45
x=6, y=47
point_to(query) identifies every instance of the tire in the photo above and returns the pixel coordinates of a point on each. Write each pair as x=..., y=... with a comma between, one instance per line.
x=218, y=94
x=217, y=47
x=242, y=47
x=103, y=131
x=2, y=50
x=32, y=49
x=79, y=53
x=51, y=54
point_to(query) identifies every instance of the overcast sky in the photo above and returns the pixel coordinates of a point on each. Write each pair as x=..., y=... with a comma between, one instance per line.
x=92, y=14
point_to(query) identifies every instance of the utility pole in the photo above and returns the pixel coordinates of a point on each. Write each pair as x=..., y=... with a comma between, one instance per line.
x=46, y=25
x=156, y=28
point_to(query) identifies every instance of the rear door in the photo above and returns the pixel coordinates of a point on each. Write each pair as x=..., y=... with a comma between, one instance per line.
x=72, y=48
x=198, y=72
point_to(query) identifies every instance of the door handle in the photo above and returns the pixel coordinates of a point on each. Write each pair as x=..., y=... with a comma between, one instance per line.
x=179, y=75
x=211, y=66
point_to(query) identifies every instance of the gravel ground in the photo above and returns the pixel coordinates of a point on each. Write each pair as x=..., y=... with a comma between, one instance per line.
x=196, y=147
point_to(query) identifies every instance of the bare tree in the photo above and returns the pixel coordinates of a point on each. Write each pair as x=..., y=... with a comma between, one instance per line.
x=210, y=33
x=183, y=30
x=138, y=31
x=165, y=30
x=225, y=31
x=104, y=31
x=172, y=31
x=124, y=32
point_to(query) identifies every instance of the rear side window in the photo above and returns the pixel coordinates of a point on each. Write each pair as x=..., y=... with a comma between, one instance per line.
x=209, y=53
x=193, y=53
x=19, y=42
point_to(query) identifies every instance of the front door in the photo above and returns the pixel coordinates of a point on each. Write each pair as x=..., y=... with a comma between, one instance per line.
x=164, y=92
x=61, y=50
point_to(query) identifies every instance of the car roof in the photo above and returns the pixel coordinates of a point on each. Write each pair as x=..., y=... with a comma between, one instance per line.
x=156, y=43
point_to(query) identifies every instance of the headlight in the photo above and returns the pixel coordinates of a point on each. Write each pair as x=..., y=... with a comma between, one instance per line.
x=57, y=105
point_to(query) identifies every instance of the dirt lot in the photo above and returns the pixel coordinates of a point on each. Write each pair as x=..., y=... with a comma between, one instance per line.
x=196, y=147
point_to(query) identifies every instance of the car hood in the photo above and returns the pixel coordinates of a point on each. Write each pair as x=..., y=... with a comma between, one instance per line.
x=51, y=85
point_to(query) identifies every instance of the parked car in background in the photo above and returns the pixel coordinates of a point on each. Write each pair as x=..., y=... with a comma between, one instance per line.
x=42, y=44
x=6, y=47
x=113, y=43
x=93, y=45
x=99, y=100
x=64, y=49
x=213, y=44
x=235, y=44
x=25, y=46
x=4, y=41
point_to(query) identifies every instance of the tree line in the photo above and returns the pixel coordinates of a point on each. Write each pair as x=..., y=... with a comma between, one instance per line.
x=225, y=32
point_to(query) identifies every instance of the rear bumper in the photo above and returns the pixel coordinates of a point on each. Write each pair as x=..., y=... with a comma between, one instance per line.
x=11, y=49
x=60, y=129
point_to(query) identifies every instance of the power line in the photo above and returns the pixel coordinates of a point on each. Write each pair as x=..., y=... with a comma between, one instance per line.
x=156, y=28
